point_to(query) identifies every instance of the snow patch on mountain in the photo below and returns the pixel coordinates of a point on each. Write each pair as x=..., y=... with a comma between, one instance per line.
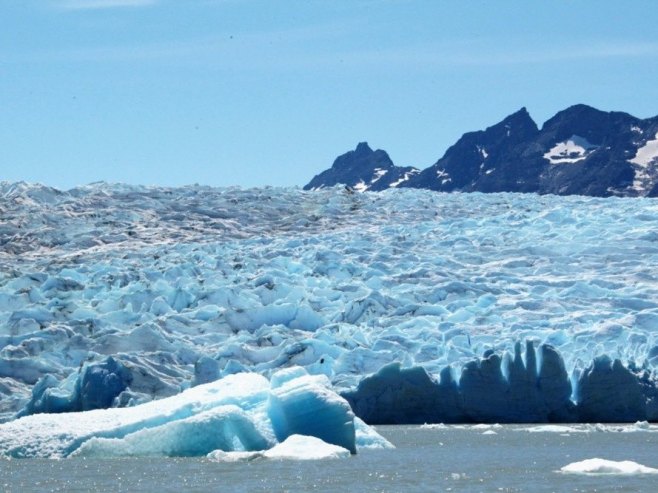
x=647, y=154
x=378, y=174
x=573, y=150
x=405, y=177
x=645, y=164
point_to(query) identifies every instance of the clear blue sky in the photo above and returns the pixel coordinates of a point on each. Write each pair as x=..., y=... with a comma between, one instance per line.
x=249, y=92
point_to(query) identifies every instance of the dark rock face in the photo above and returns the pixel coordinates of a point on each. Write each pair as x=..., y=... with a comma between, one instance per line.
x=497, y=389
x=486, y=161
x=363, y=169
x=581, y=150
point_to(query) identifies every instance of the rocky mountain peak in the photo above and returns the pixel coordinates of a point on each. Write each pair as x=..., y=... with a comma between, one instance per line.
x=581, y=150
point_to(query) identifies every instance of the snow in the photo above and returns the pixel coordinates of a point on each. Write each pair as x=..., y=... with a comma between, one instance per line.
x=645, y=163
x=361, y=186
x=602, y=466
x=441, y=173
x=181, y=286
x=483, y=152
x=573, y=150
x=378, y=174
x=646, y=154
x=242, y=413
x=404, y=178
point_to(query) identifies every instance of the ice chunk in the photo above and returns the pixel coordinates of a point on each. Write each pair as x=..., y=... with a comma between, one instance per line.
x=602, y=466
x=205, y=370
x=300, y=447
x=368, y=438
x=224, y=427
x=295, y=447
x=554, y=429
x=95, y=387
x=241, y=412
x=305, y=406
x=233, y=456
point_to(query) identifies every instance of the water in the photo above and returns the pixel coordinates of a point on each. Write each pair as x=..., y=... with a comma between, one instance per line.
x=450, y=459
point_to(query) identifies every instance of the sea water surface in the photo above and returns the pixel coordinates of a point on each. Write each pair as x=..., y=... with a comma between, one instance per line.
x=509, y=458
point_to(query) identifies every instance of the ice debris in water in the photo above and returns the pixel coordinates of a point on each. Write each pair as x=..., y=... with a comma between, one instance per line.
x=640, y=426
x=295, y=447
x=602, y=466
x=239, y=413
x=182, y=286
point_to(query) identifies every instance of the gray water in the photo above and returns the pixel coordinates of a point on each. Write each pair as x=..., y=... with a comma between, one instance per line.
x=452, y=459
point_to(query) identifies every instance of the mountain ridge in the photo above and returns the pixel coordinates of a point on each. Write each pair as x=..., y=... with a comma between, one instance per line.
x=581, y=150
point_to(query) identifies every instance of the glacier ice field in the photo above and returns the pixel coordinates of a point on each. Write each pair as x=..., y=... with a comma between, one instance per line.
x=114, y=295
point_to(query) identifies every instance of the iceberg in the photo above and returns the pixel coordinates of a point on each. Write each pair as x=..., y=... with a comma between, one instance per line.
x=239, y=413
x=295, y=447
x=602, y=466
x=299, y=447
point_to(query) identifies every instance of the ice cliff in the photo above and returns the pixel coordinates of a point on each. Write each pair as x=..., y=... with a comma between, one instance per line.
x=508, y=390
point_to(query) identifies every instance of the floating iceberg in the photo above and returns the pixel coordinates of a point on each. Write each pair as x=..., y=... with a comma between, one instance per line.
x=239, y=413
x=295, y=447
x=602, y=466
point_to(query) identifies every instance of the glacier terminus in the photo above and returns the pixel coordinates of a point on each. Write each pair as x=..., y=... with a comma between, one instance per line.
x=403, y=306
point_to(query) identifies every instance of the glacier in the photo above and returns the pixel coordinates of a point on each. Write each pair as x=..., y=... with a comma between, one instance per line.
x=415, y=305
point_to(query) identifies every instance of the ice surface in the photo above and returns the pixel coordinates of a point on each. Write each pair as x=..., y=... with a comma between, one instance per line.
x=305, y=405
x=602, y=466
x=182, y=286
x=243, y=412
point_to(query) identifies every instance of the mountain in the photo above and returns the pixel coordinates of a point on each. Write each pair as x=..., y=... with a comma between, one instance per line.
x=580, y=151
x=363, y=169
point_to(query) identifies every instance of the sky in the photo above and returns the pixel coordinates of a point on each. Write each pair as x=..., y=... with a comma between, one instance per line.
x=269, y=92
